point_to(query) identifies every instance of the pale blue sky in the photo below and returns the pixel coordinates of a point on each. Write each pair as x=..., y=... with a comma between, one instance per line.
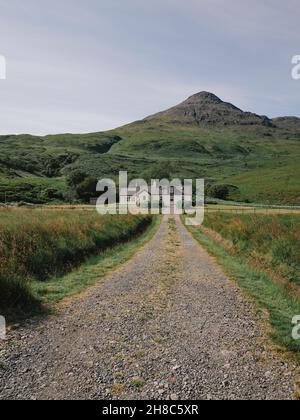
x=92, y=65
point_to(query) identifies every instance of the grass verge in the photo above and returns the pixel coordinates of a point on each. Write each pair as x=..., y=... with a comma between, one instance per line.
x=269, y=241
x=269, y=295
x=38, y=248
x=92, y=271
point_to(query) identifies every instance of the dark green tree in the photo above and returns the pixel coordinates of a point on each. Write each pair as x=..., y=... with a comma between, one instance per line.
x=75, y=178
x=221, y=191
x=87, y=189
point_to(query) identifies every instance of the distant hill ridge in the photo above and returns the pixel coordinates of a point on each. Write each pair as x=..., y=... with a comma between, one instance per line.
x=287, y=122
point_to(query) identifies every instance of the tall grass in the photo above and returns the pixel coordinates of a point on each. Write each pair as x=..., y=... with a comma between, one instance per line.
x=272, y=241
x=38, y=244
x=262, y=254
x=269, y=295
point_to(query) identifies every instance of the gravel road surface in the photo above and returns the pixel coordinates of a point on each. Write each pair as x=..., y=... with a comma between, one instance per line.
x=168, y=324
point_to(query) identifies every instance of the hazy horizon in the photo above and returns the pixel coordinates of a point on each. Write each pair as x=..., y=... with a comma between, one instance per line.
x=89, y=66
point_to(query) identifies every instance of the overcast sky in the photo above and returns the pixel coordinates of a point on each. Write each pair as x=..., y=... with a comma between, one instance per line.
x=92, y=65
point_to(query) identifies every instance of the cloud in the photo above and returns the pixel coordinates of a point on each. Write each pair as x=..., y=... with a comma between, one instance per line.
x=85, y=65
x=247, y=19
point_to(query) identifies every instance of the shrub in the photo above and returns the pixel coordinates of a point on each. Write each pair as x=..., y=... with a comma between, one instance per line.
x=222, y=191
x=75, y=178
x=87, y=189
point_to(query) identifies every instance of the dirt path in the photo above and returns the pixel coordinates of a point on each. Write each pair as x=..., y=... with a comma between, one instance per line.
x=166, y=325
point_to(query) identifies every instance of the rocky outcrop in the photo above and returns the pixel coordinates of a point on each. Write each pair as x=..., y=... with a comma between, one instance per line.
x=206, y=109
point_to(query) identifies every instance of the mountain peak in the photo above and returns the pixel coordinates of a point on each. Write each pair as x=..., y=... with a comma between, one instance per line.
x=206, y=109
x=205, y=96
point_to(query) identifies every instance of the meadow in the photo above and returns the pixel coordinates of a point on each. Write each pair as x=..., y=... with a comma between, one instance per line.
x=38, y=245
x=273, y=242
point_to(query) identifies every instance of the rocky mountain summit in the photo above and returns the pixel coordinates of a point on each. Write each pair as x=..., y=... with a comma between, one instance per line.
x=206, y=109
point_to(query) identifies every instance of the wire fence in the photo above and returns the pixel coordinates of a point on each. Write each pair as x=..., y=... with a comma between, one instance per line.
x=254, y=210
x=239, y=210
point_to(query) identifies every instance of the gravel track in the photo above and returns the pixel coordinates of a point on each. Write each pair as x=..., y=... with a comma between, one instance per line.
x=166, y=325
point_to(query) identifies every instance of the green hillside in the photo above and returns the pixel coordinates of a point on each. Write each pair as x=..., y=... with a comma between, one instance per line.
x=199, y=138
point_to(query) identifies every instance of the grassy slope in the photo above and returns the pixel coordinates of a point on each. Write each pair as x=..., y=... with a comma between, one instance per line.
x=278, y=184
x=237, y=155
x=31, y=166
